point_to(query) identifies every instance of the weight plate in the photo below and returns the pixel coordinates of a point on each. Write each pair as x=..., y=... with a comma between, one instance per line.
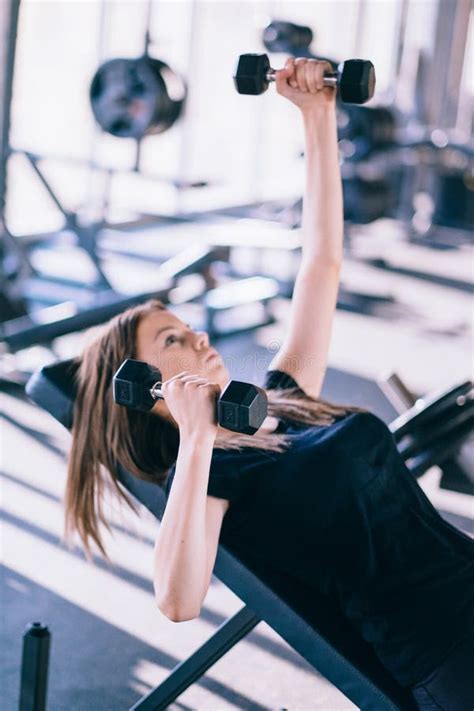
x=131, y=98
x=428, y=409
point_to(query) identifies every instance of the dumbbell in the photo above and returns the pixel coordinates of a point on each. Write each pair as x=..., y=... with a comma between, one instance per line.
x=241, y=407
x=280, y=36
x=355, y=78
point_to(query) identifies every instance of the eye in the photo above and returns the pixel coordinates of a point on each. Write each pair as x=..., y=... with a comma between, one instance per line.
x=167, y=340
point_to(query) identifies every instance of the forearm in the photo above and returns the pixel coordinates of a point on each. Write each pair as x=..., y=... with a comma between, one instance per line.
x=323, y=220
x=180, y=551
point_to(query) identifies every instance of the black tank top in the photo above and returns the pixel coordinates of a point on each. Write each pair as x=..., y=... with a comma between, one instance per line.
x=340, y=511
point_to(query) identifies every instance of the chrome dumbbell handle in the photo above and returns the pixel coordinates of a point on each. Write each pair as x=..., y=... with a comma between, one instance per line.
x=156, y=392
x=330, y=79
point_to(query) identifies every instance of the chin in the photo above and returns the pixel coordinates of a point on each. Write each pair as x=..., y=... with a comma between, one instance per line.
x=212, y=368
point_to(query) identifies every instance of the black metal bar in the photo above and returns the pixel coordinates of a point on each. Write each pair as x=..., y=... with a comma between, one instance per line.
x=94, y=165
x=440, y=279
x=86, y=235
x=34, y=668
x=33, y=161
x=11, y=13
x=24, y=332
x=147, y=32
x=442, y=452
x=455, y=474
x=397, y=392
x=14, y=246
x=187, y=672
x=432, y=407
x=444, y=427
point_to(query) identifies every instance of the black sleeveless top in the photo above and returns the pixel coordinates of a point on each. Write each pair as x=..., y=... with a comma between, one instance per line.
x=340, y=511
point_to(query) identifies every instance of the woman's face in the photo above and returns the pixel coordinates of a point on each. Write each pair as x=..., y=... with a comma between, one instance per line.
x=169, y=344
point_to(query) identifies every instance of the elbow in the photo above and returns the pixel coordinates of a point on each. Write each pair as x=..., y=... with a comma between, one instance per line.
x=185, y=617
x=331, y=262
x=176, y=615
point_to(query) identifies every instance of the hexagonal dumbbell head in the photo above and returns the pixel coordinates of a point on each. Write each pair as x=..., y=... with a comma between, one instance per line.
x=132, y=384
x=281, y=36
x=356, y=81
x=242, y=407
x=251, y=74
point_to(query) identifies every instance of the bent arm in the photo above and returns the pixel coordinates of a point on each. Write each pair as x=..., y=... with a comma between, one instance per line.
x=181, y=565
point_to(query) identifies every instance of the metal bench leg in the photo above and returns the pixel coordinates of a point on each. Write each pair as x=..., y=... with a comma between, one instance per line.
x=187, y=672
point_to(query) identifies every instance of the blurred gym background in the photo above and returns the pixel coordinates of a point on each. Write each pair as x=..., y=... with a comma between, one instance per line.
x=124, y=179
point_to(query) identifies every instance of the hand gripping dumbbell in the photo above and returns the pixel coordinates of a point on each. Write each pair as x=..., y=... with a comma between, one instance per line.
x=355, y=78
x=241, y=407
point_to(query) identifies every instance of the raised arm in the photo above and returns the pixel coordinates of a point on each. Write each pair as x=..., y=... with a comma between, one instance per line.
x=304, y=351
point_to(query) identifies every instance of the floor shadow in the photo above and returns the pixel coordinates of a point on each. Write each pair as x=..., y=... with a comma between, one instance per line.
x=207, y=615
x=41, y=437
x=92, y=665
x=57, y=499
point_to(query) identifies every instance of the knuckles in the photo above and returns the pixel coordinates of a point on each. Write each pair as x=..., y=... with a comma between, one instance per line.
x=306, y=69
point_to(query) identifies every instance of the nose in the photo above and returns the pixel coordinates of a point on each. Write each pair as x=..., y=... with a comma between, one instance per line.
x=202, y=339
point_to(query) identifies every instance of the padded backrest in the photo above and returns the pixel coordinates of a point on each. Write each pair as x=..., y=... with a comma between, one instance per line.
x=53, y=388
x=309, y=621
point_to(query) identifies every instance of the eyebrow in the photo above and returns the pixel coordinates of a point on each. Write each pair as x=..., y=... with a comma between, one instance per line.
x=166, y=328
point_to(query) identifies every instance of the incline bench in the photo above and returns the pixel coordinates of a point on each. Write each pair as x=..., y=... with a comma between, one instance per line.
x=308, y=621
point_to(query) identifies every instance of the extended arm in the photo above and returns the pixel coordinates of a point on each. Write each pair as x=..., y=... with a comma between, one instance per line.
x=304, y=351
x=322, y=228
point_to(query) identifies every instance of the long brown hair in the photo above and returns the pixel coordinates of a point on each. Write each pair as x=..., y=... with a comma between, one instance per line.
x=106, y=434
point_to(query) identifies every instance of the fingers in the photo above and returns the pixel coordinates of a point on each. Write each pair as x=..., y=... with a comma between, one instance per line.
x=306, y=75
x=301, y=72
x=312, y=77
x=282, y=76
x=183, y=377
x=186, y=377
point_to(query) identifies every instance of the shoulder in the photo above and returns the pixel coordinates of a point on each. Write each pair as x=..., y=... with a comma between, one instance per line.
x=367, y=420
x=363, y=432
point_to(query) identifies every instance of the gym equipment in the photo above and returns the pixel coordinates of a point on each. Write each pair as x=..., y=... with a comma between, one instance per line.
x=364, y=130
x=232, y=298
x=454, y=199
x=231, y=303
x=367, y=199
x=241, y=407
x=37, y=307
x=308, y=621
x=355, y=78
x=425, y=412
x=266, y=229
x=133, y=98
x=34, y=668
x=280, y=36
x=435, y=430
x=44, y=325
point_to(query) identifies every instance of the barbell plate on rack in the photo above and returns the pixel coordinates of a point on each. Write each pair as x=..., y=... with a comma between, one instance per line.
x=131, y=98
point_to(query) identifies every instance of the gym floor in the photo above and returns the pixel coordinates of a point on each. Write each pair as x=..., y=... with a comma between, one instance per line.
x=110, y=644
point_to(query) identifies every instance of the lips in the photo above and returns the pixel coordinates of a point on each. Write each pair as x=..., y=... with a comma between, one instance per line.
x=212, y=354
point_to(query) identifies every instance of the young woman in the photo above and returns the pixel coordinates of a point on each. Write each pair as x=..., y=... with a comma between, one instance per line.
x=319, y=492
